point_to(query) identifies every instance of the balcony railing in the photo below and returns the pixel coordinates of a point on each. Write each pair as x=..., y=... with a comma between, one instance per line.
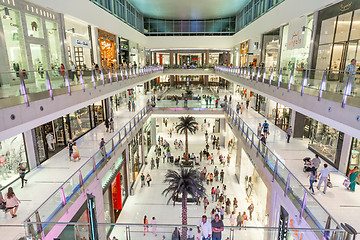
x=344, y=86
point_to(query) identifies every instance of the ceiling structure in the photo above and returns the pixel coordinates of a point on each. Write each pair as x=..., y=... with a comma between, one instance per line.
x=188, y=9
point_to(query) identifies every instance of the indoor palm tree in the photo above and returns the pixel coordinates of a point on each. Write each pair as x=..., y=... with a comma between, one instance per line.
x=183, y=183
x=187, y=125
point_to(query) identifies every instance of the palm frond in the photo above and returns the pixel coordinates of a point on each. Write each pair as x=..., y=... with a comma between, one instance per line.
x=187, y=123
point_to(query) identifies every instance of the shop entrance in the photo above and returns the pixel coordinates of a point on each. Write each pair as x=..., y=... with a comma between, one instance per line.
x=39, y=61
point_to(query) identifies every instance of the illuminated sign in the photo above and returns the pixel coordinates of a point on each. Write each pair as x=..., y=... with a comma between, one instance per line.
x=80, y=42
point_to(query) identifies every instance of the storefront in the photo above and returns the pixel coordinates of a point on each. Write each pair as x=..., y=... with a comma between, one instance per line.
x=117, y=100
x=124, y=56
x=271, y=45
x=338, y=39
x=107, y=42
x=147, y=137
x=114, y=186
x=296, y=41
x=279, y=114
x=12, y=153
x=36, y=50
x=135, y=157
x=324, y=140
x=78, y=40
x=354, y=155
x=50, y=139
x=98, y=112
x=258, y=103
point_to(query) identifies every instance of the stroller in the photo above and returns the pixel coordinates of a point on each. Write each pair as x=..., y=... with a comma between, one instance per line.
x=307, y=164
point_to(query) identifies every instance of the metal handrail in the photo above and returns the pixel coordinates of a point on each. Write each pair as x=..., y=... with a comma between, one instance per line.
x=279, y=161
x=146, y=109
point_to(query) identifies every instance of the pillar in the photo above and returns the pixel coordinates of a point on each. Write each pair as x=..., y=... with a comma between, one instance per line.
x=153, y=131
x=239, y=148
x=345, y=153
x=171, y=58
x=228, y=58
x=127, y=168
x=202, y=59
x=206, y=78
x=207, y=53
x=142, y=145
x=292, y=118
x=176, y=59
x=30, y=143
x=160, y=59
x=298, y=125
x=222, y=131
x=172, y=80
x=150, y=62
x=155, y=60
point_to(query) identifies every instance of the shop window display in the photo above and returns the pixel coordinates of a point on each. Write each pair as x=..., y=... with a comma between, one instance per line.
x=12, y=152
x=15, y=45
x=98, y=113
x=54, y=44
x=34, y=26
x=135, y=162
x=355, y=155
x=79, y=122
x=279, y=115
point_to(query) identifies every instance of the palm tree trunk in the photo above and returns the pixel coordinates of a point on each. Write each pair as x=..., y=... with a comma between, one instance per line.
x=186, y=148
x=184, y=216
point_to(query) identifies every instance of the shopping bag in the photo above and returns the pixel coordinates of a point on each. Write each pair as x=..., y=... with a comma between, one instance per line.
x=346, y=183
x=329, y=184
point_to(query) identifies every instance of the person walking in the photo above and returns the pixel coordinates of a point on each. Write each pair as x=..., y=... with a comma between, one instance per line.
x=232, y=219
x=217, y=226
x=235, y=204
x=142, y=177
x=70, y=147
x=146, y=225
x=239, y=220
x=111, y=125
x=228, y=205
x=222, y=176
x=265, y=128
x=206, y=203
x=324, y=177
x=263, y=143
x=152, y=163
x=176, y=234
x=212, y=194
x=315, y=162
x=244, y=219
x=205, y=228
x=350, y=71
x=217, y=193
x=353, y=175
x=101, y=147
x=312, y=176
x=22, y=171
x=153, y=226
x=259, y=130
x=157, y=162
x=251, y=210
x=107, y=125
x=148, y=180
x=76, y=154
x=289, y=133
x=12, y=202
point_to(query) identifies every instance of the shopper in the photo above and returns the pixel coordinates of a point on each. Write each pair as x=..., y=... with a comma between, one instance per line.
x=232, y=219
x=152, y=162
x=102, y=148
x=206, y=203
x=324, y=177
x=22, y=171
x=289, y=133
x=353, y=175
x=222, y=176
x=265, y=128
x=213, y=194
x=235, y=204
x=312, y=176
x=157, y=162
x=315, y=162
x=148, y=180
x=244, y=219
x=247, y=103
x=217, y=193
x=76, y=154
x=238, y=108
x=350, y=71
x=251, y=210
x=111, y=125
x=239, y=220
x=217, y=227
x=228, y=205
x=222, y=212
x=142, y=177
x=146, y=225
x=204, y=226
x=259, y=130
x=263, y=143
x=107, y=125
x=190, y=235
x=176, y=234
x=70, y=147
x=153, y=226
x=12, y=202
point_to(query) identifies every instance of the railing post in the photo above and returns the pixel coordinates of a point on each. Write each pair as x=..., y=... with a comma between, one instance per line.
x=347, y=91
x=48, y=85
x=81, y=180
x=291, y=79
x=252, y=141
x=121, y=75
x=119, y=136
x=23, y=89
x=322, y=86
x=258, y=148
x=280, y=79
x=82, y=81
x=242, y=132
x=304, y=83
x=63, y=197
x=128, y=235
x=110, y=79
x=116, y=75
x=94, y=164
x=264, y=76
x=287, y=185
x=303, y=205
x=112, y=144
x=93, y=78
x=258, y=74
x=271, y=76
x=248, y=76
x=275, y=169
x=266, y=157
x=67, y=82
x=102, y=76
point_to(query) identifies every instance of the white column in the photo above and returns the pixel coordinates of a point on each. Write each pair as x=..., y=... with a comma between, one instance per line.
x=239, y=147
x=345, y=153
x=127, y=168
x=292, y=119
x=153, y=131
x=30, y=143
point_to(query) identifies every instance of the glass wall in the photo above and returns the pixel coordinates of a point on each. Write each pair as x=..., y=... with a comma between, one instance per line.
x=354, y=155
x=135, y=158
x=12, y=152
x=161, y=27
x=279, y=114
x=98, y=113
x=14, y=39
x=54, y=44
x=259, y=103
x=80, y=122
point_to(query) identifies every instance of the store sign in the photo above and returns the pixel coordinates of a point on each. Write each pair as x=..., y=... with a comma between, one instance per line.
x=295, y=37
x=80, y=42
